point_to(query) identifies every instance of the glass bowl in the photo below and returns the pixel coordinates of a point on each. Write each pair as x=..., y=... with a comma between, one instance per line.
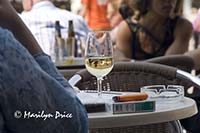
x=169, y=93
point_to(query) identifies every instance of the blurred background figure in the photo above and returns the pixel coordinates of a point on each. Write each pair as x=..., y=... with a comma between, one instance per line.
x=95, y=13
x=76, y=6
x=156, y=28
x=27, y=5
x=196, y=28
x=113, y=13
x=41, y=21
x=114, y=17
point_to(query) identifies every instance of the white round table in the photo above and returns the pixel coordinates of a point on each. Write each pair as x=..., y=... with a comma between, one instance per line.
x=164, y=112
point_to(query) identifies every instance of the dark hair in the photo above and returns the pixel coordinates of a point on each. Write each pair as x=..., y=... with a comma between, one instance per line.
x=142, y=6
x=125, y=10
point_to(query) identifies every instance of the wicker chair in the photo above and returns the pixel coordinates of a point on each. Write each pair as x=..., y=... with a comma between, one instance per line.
x=127, y=76
x=182, y=62
x=69, y=71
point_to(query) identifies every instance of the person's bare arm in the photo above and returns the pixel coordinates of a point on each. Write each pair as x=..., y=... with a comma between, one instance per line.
x=124, y=40
x=11, y=21
x=182, y=35
x=84, y=10
x=195, y=54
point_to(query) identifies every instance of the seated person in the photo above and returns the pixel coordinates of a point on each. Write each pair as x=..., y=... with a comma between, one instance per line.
x=155, y=29
x=33, y=93
x=41, y=22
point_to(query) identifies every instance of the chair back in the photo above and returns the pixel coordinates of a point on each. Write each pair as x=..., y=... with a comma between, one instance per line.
x=128, y=76
x=182, y=62
x=69, y=71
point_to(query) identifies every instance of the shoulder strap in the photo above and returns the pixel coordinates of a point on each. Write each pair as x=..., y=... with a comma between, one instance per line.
x=133, y=25
x=133, y=28
x=150, y=34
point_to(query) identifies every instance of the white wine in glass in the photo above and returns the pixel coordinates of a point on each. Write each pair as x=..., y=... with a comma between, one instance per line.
x=99, y=55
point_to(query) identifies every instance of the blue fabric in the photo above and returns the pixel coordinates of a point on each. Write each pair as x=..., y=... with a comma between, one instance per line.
x=48, y=66
x=32, y=85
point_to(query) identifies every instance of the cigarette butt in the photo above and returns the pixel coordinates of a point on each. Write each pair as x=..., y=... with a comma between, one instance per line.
x=130, y=97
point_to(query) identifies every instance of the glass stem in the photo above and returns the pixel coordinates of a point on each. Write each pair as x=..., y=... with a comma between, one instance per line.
x=99, y=85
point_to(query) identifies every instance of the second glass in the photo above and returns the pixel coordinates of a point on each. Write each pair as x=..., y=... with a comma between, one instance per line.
x=99, y=55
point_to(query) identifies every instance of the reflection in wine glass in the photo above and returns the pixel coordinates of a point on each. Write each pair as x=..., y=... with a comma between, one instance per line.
x=99, y=55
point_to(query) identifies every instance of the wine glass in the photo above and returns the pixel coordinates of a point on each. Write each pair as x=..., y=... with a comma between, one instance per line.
x=99, y=55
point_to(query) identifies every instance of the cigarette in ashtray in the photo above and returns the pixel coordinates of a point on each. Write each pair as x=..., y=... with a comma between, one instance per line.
x=131, y=97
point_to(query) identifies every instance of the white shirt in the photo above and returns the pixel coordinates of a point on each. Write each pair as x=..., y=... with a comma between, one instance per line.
x=41, y=20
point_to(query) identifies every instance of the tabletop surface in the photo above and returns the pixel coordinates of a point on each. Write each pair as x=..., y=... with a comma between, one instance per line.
x=164, y=112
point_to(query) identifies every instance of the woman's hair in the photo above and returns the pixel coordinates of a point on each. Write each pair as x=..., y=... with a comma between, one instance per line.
x=125, y=10
x=141, y=7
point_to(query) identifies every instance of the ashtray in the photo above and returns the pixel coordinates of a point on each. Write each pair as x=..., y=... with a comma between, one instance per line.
x=164, y=92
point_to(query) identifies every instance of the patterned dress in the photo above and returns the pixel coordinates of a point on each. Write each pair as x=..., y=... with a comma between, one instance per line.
x=34, y=97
